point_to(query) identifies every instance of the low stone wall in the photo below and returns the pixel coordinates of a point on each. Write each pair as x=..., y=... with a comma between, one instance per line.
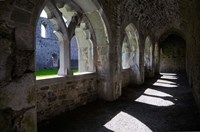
x=58, y=95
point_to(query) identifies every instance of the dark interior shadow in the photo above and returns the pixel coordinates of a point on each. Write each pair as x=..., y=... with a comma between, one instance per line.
x=182, y=116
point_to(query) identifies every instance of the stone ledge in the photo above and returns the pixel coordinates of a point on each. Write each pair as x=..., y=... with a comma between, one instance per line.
x=61, y=79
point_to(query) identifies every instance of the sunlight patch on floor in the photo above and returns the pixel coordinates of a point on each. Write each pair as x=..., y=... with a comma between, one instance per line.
x=123, y=122
x=169, y=77
x=169, y=74
x=165, y=81
x=156, y=101
x=165, y=85
x=172, y=76
x=157, y=93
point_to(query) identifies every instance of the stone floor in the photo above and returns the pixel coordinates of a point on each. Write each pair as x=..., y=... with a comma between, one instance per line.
x=164, y=103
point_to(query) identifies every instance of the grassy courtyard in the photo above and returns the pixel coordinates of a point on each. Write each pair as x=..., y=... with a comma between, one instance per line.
x=49, y=72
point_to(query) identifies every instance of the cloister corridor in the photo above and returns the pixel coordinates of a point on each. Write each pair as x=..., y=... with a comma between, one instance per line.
x=99, y=65
x=161, y=103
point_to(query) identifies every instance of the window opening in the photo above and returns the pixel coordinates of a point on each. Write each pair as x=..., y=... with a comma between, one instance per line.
x=74, y=55
x=43, y=30
x=47, y=48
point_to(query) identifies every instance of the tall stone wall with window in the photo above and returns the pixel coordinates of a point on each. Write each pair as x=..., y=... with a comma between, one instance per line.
x=47, y=48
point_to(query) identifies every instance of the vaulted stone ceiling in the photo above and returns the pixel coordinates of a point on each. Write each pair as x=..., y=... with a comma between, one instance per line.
x=152, y=16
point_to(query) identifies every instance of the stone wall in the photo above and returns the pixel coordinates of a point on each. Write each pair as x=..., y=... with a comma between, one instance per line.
x=173, y=54
x=126, y=78
x=17, y=65
x=191, y=28
x=58, y=95
x=18, y=20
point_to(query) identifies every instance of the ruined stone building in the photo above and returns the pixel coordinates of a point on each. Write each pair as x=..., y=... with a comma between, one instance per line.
x=121, y=45
x=47, y=46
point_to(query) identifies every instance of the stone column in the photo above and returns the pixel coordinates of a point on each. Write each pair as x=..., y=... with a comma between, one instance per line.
x=85, y=49
x=157, y=59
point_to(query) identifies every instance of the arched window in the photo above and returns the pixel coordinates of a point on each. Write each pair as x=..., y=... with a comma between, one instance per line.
x=79, y=47
x=47, y=49
x=148, y=53
x=125, y=53
x=43, y=14
x=148, y=57
x=74, y=54
x=55, y=60
x=130, y=49
x=85, y=48
x=131, y=53
x=43, y=30
x=43, y=27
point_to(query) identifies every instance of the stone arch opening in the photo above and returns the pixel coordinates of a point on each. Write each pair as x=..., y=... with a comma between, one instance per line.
x=85, y=48
x=65, y=17
x=172, y=54
x=87, y=24
x=43, y=30
x=148, y=57
x=47, y=48
x=101, y=39
x=55, y=60
x=131, y=54
x=28, y=104
x=74, y=54
x=125, y=53
x=156, y=59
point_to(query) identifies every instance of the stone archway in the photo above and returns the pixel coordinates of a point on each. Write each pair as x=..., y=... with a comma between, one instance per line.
x=47, y=44
x=148, y=58
x=156, y=59
x=74, y=53
x=99, y=24
x=125, y=53
x=18, y=78
x=173, y=54
x=85, y=48
x=131, y=56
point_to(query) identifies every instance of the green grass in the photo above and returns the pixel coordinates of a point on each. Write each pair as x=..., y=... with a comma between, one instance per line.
x=75, y=70
x=46, y=72
x=49, y=72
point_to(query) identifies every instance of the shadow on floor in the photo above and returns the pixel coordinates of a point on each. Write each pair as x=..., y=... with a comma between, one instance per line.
x=164, y=103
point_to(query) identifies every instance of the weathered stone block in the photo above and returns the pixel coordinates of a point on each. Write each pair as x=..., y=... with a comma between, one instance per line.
x=57, y=86
x=22, y=62
x=20, y=16
x=24, y=38
x=29, y=121
x=73, y=94
x=25, y=4
x=19, y=94
x=6, y=51
x=62, y=97
x=51, y=99
x=44, y=88
x=5, y=119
